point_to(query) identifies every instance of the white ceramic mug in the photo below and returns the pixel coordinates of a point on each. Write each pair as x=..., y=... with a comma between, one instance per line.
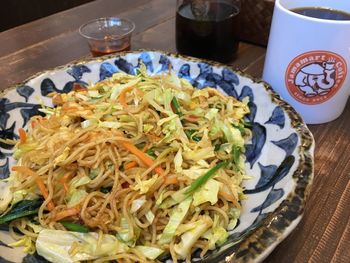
x=308, y=59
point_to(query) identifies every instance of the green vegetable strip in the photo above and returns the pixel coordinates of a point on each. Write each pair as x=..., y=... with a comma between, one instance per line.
x=240, y=128
x=217, y=147
x=151, y=152
x=236, y=153
x=22, y=209
x=204, y=178
x=176, y=106
x=105, y=190
x=189, y=134
x=246, y=124
x=74, y=227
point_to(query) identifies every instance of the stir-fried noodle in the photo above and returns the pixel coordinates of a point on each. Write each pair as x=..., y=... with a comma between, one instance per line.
x=143, y=166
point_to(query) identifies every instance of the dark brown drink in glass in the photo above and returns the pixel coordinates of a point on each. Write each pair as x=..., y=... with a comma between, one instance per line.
x=212, y=34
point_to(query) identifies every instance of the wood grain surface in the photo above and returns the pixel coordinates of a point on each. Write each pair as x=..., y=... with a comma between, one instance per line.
x=323, y=234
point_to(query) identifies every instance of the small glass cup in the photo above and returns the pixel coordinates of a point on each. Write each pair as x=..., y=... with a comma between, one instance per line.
x=107, y=35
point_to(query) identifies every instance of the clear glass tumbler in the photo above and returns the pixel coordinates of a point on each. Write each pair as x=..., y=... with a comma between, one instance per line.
x=208, y=28
x=107, y=35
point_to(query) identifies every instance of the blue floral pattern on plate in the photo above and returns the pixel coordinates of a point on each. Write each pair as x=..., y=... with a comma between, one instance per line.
x=273, y=154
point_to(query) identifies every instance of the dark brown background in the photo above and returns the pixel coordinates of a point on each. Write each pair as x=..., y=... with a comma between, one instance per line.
x=323, y=235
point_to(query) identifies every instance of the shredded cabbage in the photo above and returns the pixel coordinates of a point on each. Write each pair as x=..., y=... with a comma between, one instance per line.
x=188, y=239
x=137, y=204
x=55, y=245
x=76, y=197
x=125, y=235
x=5, y=195
x=217, y=234
x=150, y=252
x=144, y=186
x=62, y=157
x=207, y=193
x=175, y=220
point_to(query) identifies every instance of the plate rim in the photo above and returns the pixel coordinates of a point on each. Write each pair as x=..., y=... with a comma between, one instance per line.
x=280, y=223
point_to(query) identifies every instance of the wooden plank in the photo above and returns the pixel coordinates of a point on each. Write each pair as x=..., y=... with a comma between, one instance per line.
x=23, y=11
x=70, y=46
x=161, y=37
x=342, y=253
x=255, y=67
x=16, y=39
x=249, y=59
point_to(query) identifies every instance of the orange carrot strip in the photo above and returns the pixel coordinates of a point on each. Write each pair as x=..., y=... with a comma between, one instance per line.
x=57, y=99
x=68, y=108
x=192, y=118
x=142, y=156
x=145, y=148
x=42, y=120
x=39, y=181
x=130, y=165
x=122, y=96
x=66, y=213
x=22, y=135
x=230, y=198
x=152, y=137
x=65, y=186
x=38, y=121
x=171, y=180
x=79, y=87
x=63, y=181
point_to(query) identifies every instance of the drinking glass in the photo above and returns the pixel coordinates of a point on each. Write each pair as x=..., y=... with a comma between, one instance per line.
x=107, y=35
x=208, y=28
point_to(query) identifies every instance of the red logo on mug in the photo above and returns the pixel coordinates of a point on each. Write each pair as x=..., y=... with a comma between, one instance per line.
x=316, y=76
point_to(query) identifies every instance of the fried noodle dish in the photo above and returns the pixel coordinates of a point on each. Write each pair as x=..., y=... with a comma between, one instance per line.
x=135, y=168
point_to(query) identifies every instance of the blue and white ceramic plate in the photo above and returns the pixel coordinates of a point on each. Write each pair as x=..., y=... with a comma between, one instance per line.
x=279, y=155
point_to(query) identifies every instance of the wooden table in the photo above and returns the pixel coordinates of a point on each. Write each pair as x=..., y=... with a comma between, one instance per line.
x=323, y=235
